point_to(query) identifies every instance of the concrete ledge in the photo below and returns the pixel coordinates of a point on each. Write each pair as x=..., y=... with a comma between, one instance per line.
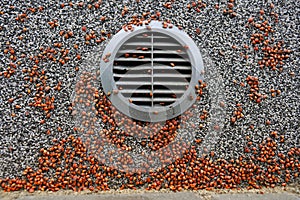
x=143, y=196
x=272, y=196
x=150, y=196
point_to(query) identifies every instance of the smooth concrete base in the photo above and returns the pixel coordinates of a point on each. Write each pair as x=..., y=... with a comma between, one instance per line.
x=280, y=196
x=143, y=196
x=149, y=196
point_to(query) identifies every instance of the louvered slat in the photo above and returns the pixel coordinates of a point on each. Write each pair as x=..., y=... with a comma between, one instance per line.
x=164, y=59
x=154, y=67
x=131, y=91
x=157, y=44
x=167, y=83
x=133, y=75
x=138, y=51
x=133, y=59
x=168, y=91
x=175, y=75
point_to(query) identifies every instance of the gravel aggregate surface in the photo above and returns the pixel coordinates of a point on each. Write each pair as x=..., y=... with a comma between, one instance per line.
x=229, y=57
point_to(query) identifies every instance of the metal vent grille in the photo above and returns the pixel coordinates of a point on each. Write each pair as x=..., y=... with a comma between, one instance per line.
x=152, y=69
x=150, y=73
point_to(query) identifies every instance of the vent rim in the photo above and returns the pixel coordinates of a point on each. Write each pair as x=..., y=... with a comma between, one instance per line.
x=151, y=114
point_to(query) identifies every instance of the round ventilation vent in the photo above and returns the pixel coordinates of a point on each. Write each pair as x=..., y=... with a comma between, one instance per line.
x=150, y=73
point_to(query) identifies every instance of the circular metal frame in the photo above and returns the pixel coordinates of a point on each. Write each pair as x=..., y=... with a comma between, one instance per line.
x=151, y=114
